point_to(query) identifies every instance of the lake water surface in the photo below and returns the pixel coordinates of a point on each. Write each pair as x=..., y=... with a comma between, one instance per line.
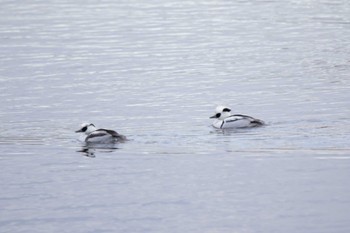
x=155, y=71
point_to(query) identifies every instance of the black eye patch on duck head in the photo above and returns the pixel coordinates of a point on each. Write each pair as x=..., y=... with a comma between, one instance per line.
x=84, y=128
x=218, y=115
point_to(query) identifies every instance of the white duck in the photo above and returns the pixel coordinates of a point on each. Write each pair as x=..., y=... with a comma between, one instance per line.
x=225, y=120
x=104, y=136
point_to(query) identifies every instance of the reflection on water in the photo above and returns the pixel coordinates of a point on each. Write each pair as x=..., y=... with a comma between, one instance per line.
x=154, y=71
x=91, y=150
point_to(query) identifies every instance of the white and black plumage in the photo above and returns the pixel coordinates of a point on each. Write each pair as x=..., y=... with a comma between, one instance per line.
x=95, y=135
x=225, y=120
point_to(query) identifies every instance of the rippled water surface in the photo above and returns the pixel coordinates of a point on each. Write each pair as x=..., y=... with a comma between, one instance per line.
x=154, y=71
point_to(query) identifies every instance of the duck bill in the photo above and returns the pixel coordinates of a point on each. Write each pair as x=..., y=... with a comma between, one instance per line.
x=212, y=117
x=79, y=131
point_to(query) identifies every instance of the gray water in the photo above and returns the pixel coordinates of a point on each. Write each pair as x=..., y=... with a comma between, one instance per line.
x=155, y=71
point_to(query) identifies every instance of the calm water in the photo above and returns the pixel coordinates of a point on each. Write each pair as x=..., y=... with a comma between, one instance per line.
x=155, y=72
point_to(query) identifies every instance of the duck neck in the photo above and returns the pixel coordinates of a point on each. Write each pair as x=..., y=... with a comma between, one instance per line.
x=224, y=115
x=90, y=129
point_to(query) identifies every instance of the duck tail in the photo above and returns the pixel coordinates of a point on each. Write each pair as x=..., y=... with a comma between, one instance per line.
x=258, y=122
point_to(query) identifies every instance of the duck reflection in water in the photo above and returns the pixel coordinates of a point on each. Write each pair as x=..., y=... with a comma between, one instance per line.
x=91, y=150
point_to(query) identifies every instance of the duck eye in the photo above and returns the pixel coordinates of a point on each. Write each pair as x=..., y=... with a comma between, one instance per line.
x=84, y=128
x=218, y=115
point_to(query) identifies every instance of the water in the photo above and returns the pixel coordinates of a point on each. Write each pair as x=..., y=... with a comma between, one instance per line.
x=155, y=73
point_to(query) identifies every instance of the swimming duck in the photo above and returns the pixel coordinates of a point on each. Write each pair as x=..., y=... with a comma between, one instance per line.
x=225, y=120
x=94, y=135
